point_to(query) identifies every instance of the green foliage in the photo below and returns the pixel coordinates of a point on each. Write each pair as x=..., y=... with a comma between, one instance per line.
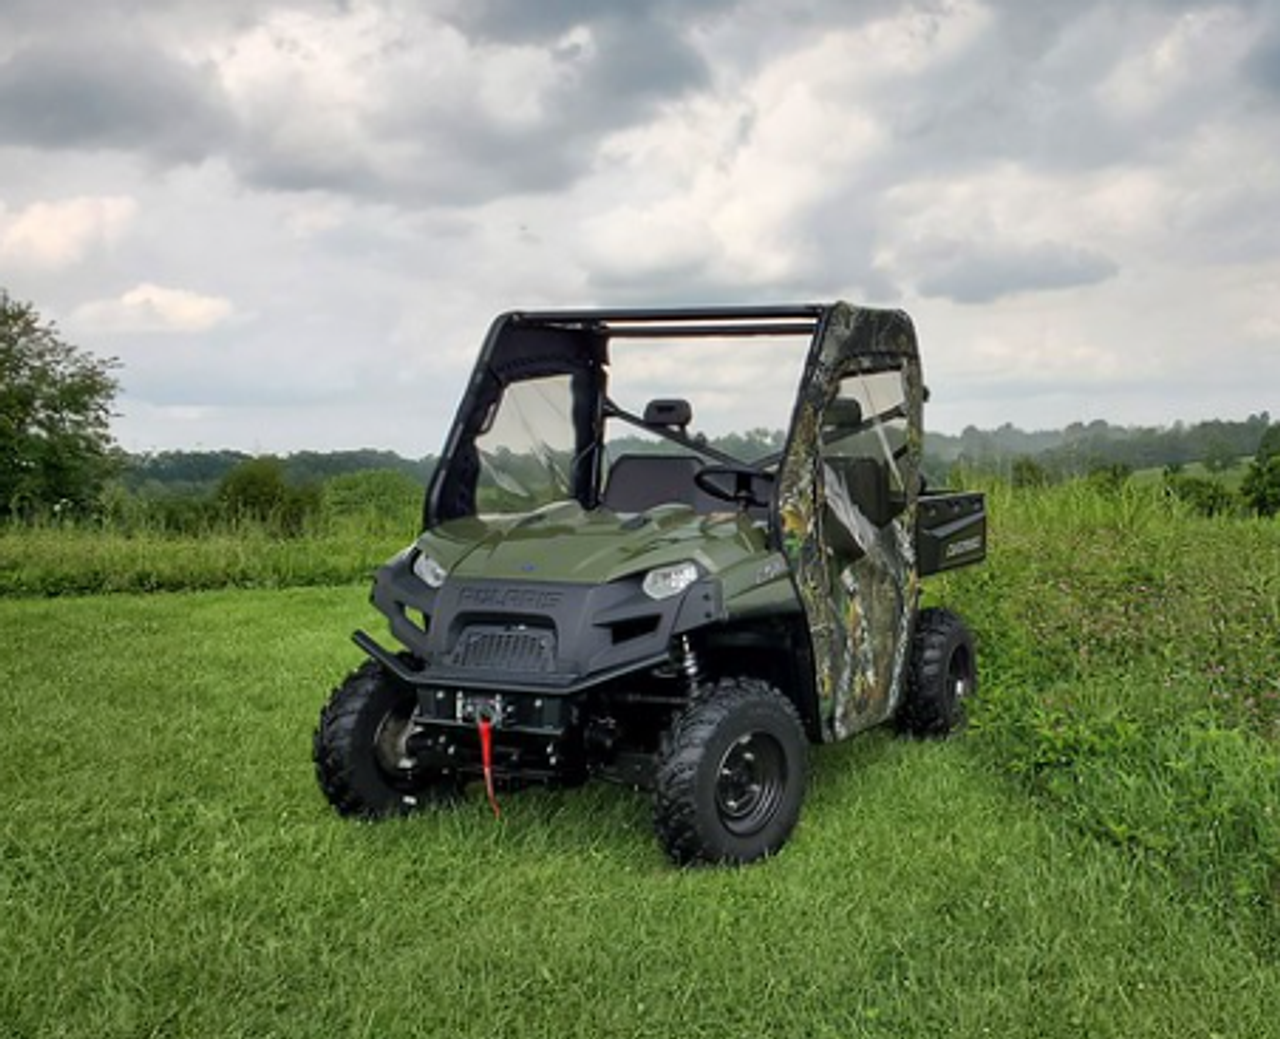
x=1080, y=447
x=56, y=560
x=261, y=533
x=1261, y=487
x=1188, y=794
x=1219, y=454
x=1027, y=472
x=750, y=446
x=1110, y=477
x=197, y=473
x=254, y=489
x=381, y=501
x=257, y=490
x=157, y=513
x=55, y=405
x=1269, y=446
x=1130, y=678
x=1207, y=497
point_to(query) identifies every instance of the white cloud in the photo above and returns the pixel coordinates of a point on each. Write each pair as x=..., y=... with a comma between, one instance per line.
x=57, y=235
x=373, y=180
x=1197, y=48
x=155, y=308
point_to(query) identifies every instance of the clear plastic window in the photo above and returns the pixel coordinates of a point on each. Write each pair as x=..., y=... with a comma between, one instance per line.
x=864, y=437
x=526, y=448
x=879, y=400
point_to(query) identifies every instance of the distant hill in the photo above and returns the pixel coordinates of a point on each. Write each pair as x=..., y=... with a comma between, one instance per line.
x=192, y=472
x=1080, y=448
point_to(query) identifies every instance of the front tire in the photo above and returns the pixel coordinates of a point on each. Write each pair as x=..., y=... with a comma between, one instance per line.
x=731, y=775
x=943, y=675
x=362, y=762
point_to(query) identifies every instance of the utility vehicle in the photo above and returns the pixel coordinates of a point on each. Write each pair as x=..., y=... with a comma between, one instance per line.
x=678, y=619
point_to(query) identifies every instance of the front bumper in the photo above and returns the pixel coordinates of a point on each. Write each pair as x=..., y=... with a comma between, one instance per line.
x=552, y=638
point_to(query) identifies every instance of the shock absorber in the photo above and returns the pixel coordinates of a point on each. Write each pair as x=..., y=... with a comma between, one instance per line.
x=690, y=665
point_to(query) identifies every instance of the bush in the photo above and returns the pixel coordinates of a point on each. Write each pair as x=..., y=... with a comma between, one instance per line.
x=1027, y=472
x=1261, y=486
x=1203, y=496
x=1110, y=478
x=257, y=491
x=385, y=501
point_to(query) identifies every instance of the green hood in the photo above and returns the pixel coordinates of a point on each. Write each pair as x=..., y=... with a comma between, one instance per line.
x=564, y=542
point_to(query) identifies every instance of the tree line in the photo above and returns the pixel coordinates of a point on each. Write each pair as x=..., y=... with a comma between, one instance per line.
x=1082, y=448
x=57, y=455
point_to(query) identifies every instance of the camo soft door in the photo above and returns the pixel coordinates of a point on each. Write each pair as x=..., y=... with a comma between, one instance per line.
x=849, y=484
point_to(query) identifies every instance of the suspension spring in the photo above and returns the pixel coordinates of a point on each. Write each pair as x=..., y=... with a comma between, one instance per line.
x=690, y=664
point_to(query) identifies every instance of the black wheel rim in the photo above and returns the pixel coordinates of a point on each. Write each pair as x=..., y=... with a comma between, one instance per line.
x=750, y=781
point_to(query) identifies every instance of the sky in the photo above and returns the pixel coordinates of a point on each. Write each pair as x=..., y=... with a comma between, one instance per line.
x=292, y=222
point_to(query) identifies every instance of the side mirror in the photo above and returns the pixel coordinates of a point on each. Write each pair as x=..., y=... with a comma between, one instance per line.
x=675, y=414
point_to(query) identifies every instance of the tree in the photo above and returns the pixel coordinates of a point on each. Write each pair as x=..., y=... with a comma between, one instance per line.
x=257, y=490
x=1218, y=454
x=1261, y=486
x=1027, y=472
x=1206, y=496
x=254, y=489
x=55, y=407
x=1269, y=445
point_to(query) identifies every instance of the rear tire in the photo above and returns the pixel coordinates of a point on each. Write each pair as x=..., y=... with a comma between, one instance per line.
x=943, y=675
x=362, y=764
x=731, y=775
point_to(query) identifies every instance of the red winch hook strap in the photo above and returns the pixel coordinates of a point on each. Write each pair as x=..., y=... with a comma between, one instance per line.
x=486, y=761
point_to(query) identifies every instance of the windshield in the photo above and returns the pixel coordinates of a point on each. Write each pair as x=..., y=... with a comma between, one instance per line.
x=740, y=390
x=526, y=449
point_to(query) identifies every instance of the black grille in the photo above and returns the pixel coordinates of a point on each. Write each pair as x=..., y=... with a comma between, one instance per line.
x=505, y=649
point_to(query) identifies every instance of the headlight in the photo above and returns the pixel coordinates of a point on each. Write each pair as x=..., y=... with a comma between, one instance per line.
x=666, y=581
x=429, y=572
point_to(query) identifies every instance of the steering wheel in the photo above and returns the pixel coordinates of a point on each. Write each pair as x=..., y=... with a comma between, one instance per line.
x=714, y=480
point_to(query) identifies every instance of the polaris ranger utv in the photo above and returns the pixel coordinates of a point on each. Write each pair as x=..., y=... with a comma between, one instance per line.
x=680, y=620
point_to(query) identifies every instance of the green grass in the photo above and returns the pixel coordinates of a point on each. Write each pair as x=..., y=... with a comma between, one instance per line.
x=1133, y=660
x=168, y=867
x=51, y=560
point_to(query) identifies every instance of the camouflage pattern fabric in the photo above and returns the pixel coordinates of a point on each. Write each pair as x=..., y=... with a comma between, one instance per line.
x=860, y=599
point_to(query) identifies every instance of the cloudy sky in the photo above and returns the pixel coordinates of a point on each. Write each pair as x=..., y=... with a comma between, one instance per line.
x=292, y=221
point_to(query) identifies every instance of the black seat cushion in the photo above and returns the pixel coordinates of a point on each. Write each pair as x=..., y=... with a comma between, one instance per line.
x=639, y=482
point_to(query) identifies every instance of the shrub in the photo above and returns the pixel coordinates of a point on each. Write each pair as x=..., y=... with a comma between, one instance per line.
x=1203, y=496
x=257, y=491
x=1261, y=486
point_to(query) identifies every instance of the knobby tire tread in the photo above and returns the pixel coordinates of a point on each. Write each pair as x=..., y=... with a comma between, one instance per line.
x=675, y=806
x=929, y=710
x=336, y=749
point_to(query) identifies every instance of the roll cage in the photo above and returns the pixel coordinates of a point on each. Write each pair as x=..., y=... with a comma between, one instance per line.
x=525, y=345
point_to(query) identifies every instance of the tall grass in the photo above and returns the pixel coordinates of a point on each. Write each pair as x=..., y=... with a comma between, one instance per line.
x=178, y=544
x=1131, y=655
x=62, y=560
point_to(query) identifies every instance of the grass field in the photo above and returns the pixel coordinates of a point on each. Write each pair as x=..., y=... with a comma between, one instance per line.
x=1098, y=855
